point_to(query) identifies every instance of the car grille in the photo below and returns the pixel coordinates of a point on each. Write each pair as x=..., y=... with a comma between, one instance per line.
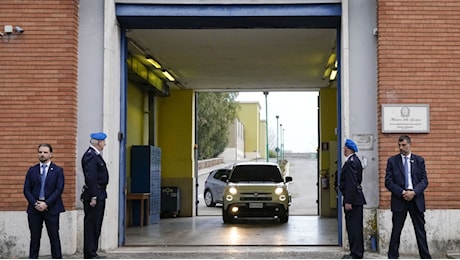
x=255, y=196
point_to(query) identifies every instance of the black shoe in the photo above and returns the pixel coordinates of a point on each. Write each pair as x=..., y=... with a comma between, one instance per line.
x=95, y=257
x=350, y=257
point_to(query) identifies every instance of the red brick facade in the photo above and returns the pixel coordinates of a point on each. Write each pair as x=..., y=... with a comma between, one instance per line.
x=418, y=63
x=38, y=93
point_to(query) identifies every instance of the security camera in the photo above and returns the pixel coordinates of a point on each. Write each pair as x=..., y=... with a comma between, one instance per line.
x=18, y=29
x=8, y=29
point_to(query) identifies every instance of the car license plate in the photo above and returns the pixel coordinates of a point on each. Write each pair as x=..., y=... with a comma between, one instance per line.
x=256, y=205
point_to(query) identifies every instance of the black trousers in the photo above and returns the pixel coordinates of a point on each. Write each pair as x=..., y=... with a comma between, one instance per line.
x=354, y=224
x=418, y=220
x=52, y=227
x=92, y=227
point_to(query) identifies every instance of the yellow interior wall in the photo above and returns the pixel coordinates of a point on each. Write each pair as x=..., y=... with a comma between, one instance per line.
x=328, y=125
x=176, y=131
x=134, y=123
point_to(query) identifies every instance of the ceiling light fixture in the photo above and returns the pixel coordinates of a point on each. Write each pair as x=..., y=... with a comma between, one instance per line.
x=333, y=75
x=334, y=72
x=327, y=73
x=331, y=61
x=168, y=76
x=148, y=58
x=330, y=71
x=152, y=61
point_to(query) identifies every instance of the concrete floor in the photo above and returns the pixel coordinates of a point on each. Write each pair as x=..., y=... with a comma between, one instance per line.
x=206, y=237
x=305, y=227
x=210, y=231
x=306, y=235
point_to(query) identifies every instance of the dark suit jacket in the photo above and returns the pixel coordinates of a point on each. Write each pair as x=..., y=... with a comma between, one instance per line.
x=350, y=181
x=394, y=181
x=54, y=186
x=96, y=174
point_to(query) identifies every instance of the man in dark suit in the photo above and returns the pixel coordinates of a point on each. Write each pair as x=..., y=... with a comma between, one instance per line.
x=407, y=186
x=43, y=187
x=353, y=199
x=94, y=195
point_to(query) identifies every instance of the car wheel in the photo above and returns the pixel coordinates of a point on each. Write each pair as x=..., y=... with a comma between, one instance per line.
x=228, y=218
x=208, y=199
x=284, y=216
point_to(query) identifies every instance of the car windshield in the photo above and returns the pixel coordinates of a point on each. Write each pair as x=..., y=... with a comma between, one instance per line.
x=256, y=173
x=221, y=172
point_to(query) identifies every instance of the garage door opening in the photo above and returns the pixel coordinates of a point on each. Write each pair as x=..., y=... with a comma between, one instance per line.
x=292, y=142
x=241, y=48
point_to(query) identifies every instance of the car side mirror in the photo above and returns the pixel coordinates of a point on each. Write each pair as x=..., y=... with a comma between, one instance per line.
x=224, y=178
x=288, y=179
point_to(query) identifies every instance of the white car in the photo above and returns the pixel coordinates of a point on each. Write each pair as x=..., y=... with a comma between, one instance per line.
x=214, y=186
x=256, y=189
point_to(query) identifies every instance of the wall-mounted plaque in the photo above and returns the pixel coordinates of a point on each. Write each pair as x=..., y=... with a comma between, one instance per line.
x=364, y=141
x=406, y=118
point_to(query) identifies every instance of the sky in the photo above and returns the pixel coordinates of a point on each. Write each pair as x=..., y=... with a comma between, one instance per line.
x=297, y=113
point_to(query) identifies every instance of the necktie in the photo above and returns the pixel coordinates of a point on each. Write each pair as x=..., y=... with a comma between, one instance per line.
x=41, y=196
x=406, y=172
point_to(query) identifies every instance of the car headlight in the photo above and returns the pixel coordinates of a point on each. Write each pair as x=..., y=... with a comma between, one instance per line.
x=233, y=190
x=282, y=197
x=279, y=190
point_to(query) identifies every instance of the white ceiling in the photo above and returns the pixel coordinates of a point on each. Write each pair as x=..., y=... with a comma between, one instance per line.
x=241, y=59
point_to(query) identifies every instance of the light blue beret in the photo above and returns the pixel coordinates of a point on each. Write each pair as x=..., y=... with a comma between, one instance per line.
x=351, y=145
x=98, y=136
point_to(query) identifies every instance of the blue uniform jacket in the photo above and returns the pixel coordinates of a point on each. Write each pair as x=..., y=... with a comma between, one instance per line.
x=96, y=174
x=350, y=181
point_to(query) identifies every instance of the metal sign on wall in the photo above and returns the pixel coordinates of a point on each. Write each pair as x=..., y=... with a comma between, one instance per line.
x=364, y=141
x=406, y=118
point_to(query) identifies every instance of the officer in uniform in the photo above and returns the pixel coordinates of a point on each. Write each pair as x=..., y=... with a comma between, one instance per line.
x=94, y=194
x=353, y=199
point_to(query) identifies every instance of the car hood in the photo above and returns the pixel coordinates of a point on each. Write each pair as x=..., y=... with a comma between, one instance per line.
x=254, y=186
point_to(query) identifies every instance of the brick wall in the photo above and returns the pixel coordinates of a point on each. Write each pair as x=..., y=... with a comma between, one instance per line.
x=38, y=93
x=418, y=63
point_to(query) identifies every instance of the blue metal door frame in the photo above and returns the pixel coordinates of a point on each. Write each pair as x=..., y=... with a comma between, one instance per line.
x=206, y=16
x=217, y=16
x=122, y=140
x=339, y=135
